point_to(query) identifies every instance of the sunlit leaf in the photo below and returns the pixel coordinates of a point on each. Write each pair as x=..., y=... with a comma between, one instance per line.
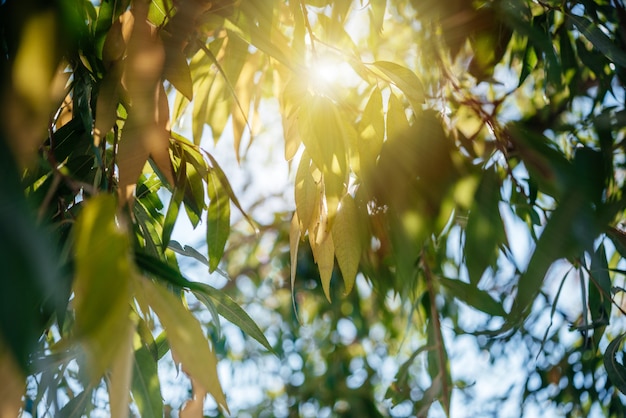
x=218, y=220
x=228, y=189
x=186, y=337
x=121, y=373
x=145, y=386
x=324, y=255
x=405, y=80
x=347, y=240
x=294, y=242
x=101, y=286
x=306, y=192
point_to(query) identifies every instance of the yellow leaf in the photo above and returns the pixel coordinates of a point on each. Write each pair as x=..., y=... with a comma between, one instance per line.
x=347, y=240
x=176, y=68
x=243, y=96
x=324, y=255
x=187, y=340
x=36, y=59
x=193, y=408
x=13, y=385
x=307, y=192
x=101, y=286
x=121, y=373
x=107, y=102
x=131, y=157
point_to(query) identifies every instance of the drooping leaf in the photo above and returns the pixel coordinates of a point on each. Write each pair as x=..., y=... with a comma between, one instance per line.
x=294, y=243
x=405, y=80
x=306, y=192
x=614, y=368
x=473, y=296
x=347, y=240
x=174, y=206
x=232, y=312
x=485, y=230
x=102, y=283
x=221, y=176
x=324, y=255
x=121, y=374
x=599, y=290
x=185, y=336
x=599, y=39
x=218, y=220
x=145, y=386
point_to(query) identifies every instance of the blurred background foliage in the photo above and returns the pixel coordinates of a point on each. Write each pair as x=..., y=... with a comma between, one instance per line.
x=456, y=170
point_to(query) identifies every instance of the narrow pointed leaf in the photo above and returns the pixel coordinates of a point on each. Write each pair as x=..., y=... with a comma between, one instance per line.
x=347, y=241
x=615, y=369
x=405, y=80
x=232, y=312
x=218, y=220
x=185, y=336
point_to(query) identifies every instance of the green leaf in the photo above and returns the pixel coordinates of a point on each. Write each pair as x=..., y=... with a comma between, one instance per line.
x=599, y=292
x=599, y=39
x=101, y=285
x=473, y=296
x=228, y=189
x=485, y=230
x=224, y=304
x=232, y=312
x=174, y=206
x=347, y=240
x=405, y=80
x=184, y=333
x=615, y=369
x=146, y=387
x=218, y=220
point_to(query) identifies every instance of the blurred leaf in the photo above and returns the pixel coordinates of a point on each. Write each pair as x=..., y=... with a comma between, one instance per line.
x=186, y=338
x=485, y=230
x=294, y=242
x=233, y=313
x=614, y=368
x=121, y=373
x=145, y=384
x=13, y=384
x=599, y=39
x=218, y=220
x=473, y=296
x=101, y=286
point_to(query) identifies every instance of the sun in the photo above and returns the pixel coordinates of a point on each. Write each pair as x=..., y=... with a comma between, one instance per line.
x=328, y=72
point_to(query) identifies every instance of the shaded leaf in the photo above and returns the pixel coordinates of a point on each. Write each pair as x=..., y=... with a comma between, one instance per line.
x=121, y=373
x=599, y=39
x=614, y=368
x=473, y=296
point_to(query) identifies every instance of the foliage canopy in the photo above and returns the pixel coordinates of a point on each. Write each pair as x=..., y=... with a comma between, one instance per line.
x=428, y=139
